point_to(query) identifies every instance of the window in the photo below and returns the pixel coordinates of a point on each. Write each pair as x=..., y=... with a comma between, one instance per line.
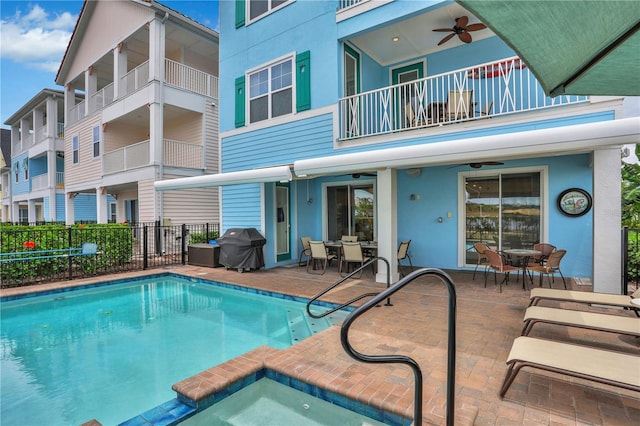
x=75, y=148
x=503, y=211
x=25, y=167
x=16, y=172
x=96, y=141
x=257, y=8
x=271, y=91
x=112, y=212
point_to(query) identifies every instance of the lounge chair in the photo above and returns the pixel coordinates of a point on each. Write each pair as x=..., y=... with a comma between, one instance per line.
x=606, y=299
x=403, y=254
x=580, y=319
x=599, y=365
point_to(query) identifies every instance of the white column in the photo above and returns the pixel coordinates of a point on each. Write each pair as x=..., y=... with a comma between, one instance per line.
x=15, y=211
x=51, y=176
x=69, y=100
x=90, y=88
x=70, y=213
x=119, y=70
x=102, y=215
x=38, y=120
x=387, y=211
x=32, y=211
x=52, y=117
x=607, y=216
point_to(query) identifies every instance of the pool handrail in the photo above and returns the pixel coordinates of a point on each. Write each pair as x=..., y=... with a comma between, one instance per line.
x=355, y=299
x=451, y=346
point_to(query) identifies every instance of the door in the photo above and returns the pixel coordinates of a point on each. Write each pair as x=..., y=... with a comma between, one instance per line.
x=351, y=108
x=408, y=95
x=351, y=211
x=503, y=211
x=283, y=246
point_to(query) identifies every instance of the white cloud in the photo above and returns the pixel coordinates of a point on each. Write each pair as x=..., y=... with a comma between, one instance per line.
x=36, y=37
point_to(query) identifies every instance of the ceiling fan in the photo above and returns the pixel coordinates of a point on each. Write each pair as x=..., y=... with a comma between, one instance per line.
x=480, y=164
x=359, y=175
x=461, y=29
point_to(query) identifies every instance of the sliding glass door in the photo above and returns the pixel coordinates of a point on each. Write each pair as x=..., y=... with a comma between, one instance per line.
x=502, y=210
x=351, y=211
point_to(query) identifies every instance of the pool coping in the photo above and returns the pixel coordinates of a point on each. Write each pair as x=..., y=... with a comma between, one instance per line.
x=211, y=386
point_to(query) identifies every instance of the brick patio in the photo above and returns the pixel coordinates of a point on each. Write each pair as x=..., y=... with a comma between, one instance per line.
x=416, y=325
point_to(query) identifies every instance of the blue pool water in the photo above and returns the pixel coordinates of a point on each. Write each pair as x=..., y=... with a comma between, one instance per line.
x=114, y=351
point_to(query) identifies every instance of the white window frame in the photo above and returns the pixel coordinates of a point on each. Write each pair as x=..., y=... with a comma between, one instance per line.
x=25, y=164
x=270, y=10
x=544, y=201
x=75, y=149
x=94, y=131
x=289, y=57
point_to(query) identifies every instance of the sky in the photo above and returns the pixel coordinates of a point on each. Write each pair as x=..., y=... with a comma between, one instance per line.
x=33, y=38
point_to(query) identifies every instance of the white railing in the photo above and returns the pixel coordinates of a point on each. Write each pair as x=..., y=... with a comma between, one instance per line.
x=59, y=179
x=40, y=182
x=185, y=77
x=182, y=154
x=134, y=79
x=127, y=158
x=343, y=4
x=176, y=154
x=487, y=90
x=101, y=98
x=76, y=113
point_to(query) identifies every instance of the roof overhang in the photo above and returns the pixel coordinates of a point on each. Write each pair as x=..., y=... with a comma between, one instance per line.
x=267, y=174
x=543, y=142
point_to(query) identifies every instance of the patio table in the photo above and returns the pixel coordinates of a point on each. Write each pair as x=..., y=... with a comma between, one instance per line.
x=525, y=254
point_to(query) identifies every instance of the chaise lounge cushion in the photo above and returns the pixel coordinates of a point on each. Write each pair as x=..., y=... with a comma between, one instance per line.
x=589, y=320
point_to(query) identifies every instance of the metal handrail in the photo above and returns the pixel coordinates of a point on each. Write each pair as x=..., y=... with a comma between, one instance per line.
x=402, y=359
x=355, y=299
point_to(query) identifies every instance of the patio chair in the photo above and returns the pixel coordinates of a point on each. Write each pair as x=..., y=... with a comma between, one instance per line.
x=546, y=249
x=306, y=250
x=550, y=267
x=498, y=264
x=585, y=362
x=319, y=255
x=403, y=254
x=349, y=238
x=352, y=253
x=484, y=112
x=459, y=104
x=482, y=258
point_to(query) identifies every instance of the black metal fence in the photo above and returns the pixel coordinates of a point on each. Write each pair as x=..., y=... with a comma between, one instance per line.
x=630, y=259
x=35, y=254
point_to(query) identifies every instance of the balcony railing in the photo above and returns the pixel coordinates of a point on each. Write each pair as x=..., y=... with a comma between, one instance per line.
x=176, y=154
x=487, y=90
x=343, y=4
x=59, y=179
x=185, y=77
x=101, y=98
x=176, y=74
x=40, y=182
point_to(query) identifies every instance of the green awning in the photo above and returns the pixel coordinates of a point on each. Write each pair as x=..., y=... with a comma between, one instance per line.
x=578, y=47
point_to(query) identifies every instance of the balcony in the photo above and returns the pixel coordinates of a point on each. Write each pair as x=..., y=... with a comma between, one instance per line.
x=488, y=90
x=176, y=75
x=176, y=154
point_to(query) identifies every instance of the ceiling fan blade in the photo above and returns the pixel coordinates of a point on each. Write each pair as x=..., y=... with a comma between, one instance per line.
x=443, y=30
x=476, y=27
x=446, y=39
x=465, y=36
x=462, y=21
x=485, y=163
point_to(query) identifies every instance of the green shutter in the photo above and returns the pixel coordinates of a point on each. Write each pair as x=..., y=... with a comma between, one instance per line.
x=240, y=11
x=240, y=97
x=303, y=81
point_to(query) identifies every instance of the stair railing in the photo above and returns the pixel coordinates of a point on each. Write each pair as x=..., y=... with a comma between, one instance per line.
x=402, y=359
x=355, y=299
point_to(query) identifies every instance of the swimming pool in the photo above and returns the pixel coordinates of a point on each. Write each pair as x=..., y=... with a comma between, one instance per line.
x=112, y=351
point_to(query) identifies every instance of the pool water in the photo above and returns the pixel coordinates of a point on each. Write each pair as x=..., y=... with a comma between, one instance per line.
x=114, y=351
x=267, y=402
